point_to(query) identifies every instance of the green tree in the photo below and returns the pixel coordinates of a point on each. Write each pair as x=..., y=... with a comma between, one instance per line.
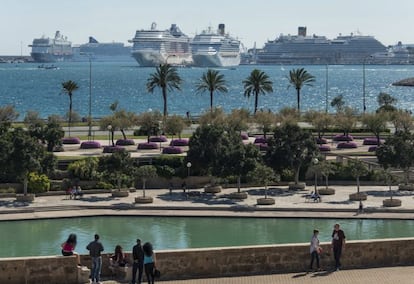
x=166, y=78
x=174, y=125
x=358, y=169
x=319, y=120
x=386, y=102
x=35, y=125
x=149, y=123
x=217, y=116
x=7, y=116
x=338, y=103
x=144, y=173
x=211, y=81
x=298, y=78
x=263, y=175
x=117, y=168
x=402, y=120
x=69, y=87
x=53, y=134
x=237, y=120
x=290, y=147
x=397, y=151
x=264, y=121
x=287, y=115
x=376, y=123
x=84, y=169
x=345, y=120
x=258, y=82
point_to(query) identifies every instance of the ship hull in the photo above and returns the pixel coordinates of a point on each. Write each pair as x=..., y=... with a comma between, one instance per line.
x=216, y=60
x=154, y=58
x=48, y=57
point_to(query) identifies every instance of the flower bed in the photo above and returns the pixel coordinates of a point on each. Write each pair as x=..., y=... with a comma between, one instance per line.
x=347, y=145
x=158, y=139
x=112, y=149
x=260, y=140
x=370, y=141
x=244, y=136
x=172, y=150
x=372, y=148
x=321, y=140
x=324, y=148
x=342, y=137
x=124, y=142
x=179, y=142
x=90, y=145
x=262, y=146
x=147, y=146
x=70, y=140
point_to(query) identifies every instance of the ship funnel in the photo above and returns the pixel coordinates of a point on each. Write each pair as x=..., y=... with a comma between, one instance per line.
x=221, y=29
x=92, y=40
x=302, y=31
x=57, y=34
x=153, y=26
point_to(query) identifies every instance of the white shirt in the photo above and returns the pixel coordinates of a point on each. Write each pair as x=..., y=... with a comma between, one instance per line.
x=314, y=243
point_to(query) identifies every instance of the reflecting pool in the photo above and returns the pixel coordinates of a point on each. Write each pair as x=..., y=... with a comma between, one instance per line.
x=43, y=237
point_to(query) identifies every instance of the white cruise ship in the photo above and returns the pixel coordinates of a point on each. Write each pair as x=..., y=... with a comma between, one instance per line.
x=154, y=47
x=215, y=49
x=51, y=49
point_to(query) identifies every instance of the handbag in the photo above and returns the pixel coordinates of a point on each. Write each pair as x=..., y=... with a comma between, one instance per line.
x=157, y=273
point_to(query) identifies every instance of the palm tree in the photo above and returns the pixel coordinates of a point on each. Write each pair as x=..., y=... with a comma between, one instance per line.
x=258, y=82
x=211, y=81
x=166, y=78
x=299, y=78
x=69, y=87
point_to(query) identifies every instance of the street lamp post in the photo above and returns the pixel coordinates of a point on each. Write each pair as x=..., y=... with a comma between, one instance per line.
x=109, y=134
x=188, y=172
x=364, y=106
x=326, y=89
x=315, y=163
x=90, y=99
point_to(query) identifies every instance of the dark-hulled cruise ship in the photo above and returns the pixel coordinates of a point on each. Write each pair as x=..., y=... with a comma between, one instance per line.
x=46, y=49
x=102, y=51
x=304, y=49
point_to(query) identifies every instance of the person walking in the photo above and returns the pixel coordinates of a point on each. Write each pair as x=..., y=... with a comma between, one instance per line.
x=338, y=244
x=95, y=248
x=138, y=265
x=149, y=262
x=314, y=250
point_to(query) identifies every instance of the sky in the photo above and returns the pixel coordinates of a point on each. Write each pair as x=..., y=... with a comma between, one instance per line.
x=250, y=21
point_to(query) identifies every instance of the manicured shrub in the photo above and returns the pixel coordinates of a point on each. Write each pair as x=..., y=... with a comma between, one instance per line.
x=324, y=148
x=341, y=137
x=158, y=139
x=104, y=185
x=71, y=140
x=372, y=148
x=38, y=183
x=125, y=142
x=179, y=142
x=172, y=150
x=347, y=145
x=147, y=146
x=244, y=136
x=90, y=145
x=370, y=141
x=260, y=140
x=321, y=140
x=84, y=169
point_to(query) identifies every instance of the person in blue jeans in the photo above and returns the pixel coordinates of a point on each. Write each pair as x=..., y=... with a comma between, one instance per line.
x=95, y=248
x=138, y=256
x=149, y=262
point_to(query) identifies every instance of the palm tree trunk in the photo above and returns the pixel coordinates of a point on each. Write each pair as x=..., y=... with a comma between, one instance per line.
x=256, y=100
x=25, y=182
x=70, y=112
x=265, y=191
x=211, y=101
x=112, y=138
x=123, y=133
x=298, y=97
x=357, y=184
x=164, y=96
x=297, y=175
x=143, y=186
x=238, y=183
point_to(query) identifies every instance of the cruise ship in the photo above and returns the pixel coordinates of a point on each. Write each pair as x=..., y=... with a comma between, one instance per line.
x=51, y=49
x=304, y=49
x=104, y=52
x=154, y=47
x=215, y=49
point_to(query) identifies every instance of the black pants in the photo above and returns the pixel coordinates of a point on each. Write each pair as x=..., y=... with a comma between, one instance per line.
x=140, y=267
x=149, y=272
x=337, y=251
x=314, y=255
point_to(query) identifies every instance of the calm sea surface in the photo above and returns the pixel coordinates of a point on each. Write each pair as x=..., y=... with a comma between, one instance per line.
x=30, y=88
x=43, y=237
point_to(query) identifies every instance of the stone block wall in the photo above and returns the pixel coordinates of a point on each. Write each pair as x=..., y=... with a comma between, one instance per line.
x=218, y=262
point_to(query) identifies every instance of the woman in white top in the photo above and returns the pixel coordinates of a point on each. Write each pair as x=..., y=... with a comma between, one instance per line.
x=315, y=249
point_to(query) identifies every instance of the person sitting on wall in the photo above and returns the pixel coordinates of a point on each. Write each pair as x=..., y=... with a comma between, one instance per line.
x=118, y=258
x=316, y=197
x=68, y=247
x=78, y=192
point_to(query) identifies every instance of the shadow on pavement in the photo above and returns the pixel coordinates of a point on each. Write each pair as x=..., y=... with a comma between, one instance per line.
x=197, y=197
x=13, y=203
x=271, y=192
x=97, y=198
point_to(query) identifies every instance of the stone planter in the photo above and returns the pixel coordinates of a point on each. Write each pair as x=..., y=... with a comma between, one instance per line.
x=144, y=200
x=213, y=189
x=265, y=201
x=326, y=191
x=238, y=195
x=358, y=196
x=391, y=202
x=297, y=186
x=25, y=198
x=120, y=193
x=409, y=187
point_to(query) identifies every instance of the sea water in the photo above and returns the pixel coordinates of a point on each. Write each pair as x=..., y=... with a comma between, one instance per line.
x=27, y=87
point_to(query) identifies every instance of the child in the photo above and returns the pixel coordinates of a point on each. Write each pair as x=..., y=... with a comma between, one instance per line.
x=315, y=249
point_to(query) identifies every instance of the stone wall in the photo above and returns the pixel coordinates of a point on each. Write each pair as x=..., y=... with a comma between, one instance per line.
x=215, y=262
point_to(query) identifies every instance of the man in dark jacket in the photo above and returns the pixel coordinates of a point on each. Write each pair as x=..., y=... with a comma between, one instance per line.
x=138, y=255
x=95, y=248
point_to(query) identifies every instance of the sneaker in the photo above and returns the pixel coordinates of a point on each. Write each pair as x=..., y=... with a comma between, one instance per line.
x=337, y=269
